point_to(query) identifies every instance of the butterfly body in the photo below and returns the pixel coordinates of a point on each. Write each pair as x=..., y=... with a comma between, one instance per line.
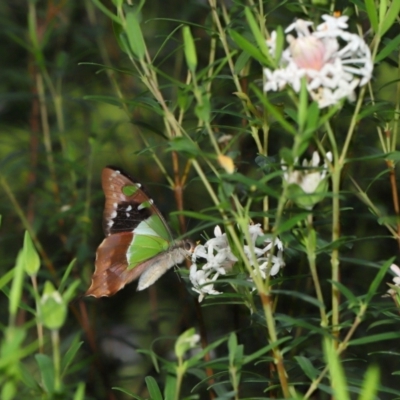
x=138, y=243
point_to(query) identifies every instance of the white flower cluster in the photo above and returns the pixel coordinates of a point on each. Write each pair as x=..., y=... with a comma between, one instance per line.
x=333, y=61
x=308, y=183
x=220, y=258
x=311, y=174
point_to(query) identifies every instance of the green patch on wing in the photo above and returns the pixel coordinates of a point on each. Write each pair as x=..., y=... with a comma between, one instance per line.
x=129, y=190
x=151, y=237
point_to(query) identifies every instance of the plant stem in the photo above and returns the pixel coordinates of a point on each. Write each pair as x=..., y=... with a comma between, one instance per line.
x=55, y=339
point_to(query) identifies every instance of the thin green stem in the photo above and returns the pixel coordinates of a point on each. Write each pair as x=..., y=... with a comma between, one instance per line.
x=27, y=225
x=55, y=339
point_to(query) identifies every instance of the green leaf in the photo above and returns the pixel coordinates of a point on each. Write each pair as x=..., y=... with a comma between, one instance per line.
x=307, y=367
x=30, y=256
x=189, y=49
x=338, y=380
x=241, y=62
x=299, y=295
x=184, y=145
x=303, y=103
x=129, y=393
x=80, y=392
x=379, y=337
x=291, y=223
x=346, y=292
x=70, y=355
x=378, y=279
x=170, y=387
x=7, y=277
x=257, y=354
x=390, y=17
x=392, y=45
x=46, y=371
x=17, y=283
x=152, y=387
x=245, y=45
x=260, y=39
x=66, y=275
x=371, y=383
x=372, y=14
x=232, y=347
x=134, y=33
x=27, y=378
x=8, y=390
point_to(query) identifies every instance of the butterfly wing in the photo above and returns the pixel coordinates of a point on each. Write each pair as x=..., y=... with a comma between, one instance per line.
x=135, y=233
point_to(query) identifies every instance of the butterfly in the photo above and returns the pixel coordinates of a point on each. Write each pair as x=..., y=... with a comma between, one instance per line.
x=138, y=243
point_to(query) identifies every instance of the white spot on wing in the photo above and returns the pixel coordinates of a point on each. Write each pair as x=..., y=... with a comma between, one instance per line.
x=115, y=205
x=128, y=215
x=129, y=208
x=113, y=214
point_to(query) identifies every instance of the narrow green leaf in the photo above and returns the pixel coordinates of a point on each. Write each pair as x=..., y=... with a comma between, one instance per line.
x=245, y=45
x=392, y=45
x=312, y=120
x=8, y=390
x=241, y=62
x=266, y=349
x=66, y=275
x=129, y=393
x=30, y=256
x=299, y=295
x=70, y=292
x=152, y=387
x=232, y=347
x=382, y=11
x=28, y=378
x=390, y=17
x=306, y=365
x=134, y=34
x=370, y=386
x=375, y=338
x=80, y=391
x=70, y=355
x=303, y=103
x=338, y=380
x=7, y=277
x=378, y=279
x=346, y=292
x=170, y=387
x=291, y=223
x=189, y=49
x=372, y=14
x=258, y=36
x=17, y=283
x=47, y=371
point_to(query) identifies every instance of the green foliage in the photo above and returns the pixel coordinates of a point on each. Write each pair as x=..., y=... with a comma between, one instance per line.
x=175, y=93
